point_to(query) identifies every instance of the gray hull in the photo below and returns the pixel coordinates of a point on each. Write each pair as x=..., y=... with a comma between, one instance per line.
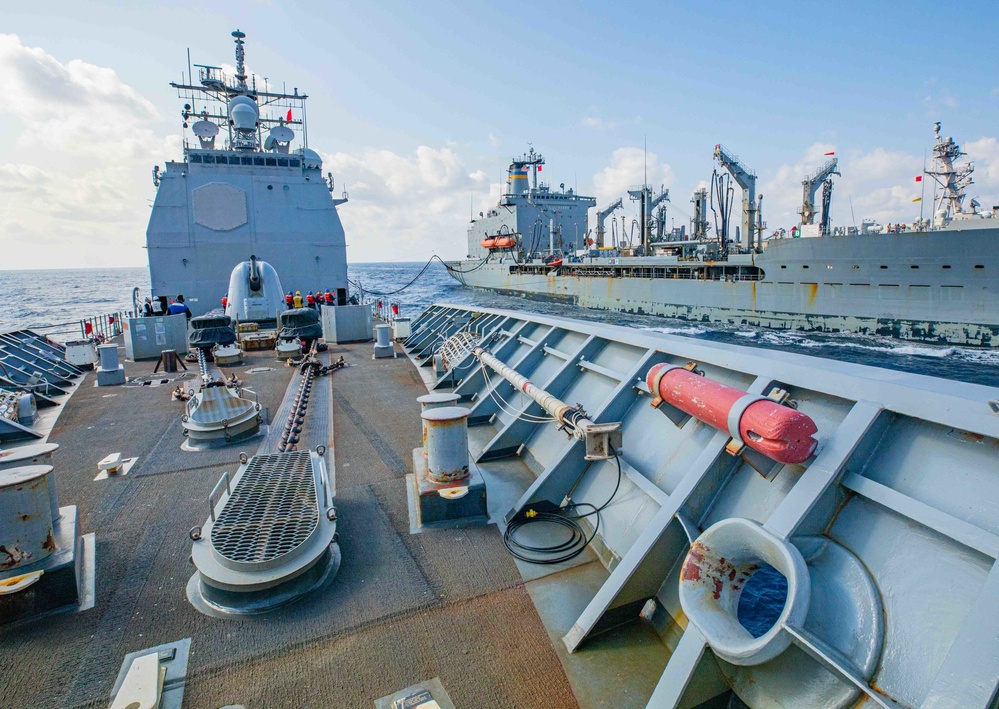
x=934, y=287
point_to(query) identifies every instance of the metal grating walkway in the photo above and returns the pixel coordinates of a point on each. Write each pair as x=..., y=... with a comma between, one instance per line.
x=270, y=512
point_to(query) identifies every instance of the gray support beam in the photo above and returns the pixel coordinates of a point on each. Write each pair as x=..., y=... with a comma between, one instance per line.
x=680, y=669
x=960, y=531
x=969, y=674
x=469, y=367
x=824, y=470
x=525, y=364
x=472, y=386
x=647, y=563
x=509, y=438
x=553, y=484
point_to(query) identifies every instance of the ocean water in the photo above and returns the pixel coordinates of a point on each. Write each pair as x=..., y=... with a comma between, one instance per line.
x=37, y=298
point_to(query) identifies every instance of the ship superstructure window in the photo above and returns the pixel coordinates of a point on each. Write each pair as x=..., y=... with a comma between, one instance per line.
x=913, y=266
x=244, y=160
x=884, y=268
x=978, y=265
x=805, y=265
x=945, y=267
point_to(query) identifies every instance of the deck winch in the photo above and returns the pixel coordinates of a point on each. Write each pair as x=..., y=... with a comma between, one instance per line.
x=270, y=536
x=779, y=432
x=218, y=411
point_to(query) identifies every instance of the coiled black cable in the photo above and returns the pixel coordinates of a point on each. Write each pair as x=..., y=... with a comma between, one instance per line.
x=572, y=547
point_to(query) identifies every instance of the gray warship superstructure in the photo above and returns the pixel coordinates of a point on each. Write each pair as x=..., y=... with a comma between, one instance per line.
x=935, y=281
x=253, y=195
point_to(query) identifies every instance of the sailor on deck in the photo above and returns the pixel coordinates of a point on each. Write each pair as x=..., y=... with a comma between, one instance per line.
x=179, y=307
x=297, y=301
x=289, y=299
x=310, y=300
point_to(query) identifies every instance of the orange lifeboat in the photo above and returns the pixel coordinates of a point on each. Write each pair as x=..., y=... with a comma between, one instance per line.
x=489, y=243
x=505, y=242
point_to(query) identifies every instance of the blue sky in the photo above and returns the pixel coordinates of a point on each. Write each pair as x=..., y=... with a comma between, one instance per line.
x=419, y=106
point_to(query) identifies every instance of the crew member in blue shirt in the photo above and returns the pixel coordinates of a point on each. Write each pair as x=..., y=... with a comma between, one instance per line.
x=179, y=307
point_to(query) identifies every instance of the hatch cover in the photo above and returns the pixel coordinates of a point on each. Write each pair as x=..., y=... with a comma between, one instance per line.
x=271, y=511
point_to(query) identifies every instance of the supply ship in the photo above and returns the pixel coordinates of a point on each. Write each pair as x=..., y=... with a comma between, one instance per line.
x=476, y=507
x=933, y=281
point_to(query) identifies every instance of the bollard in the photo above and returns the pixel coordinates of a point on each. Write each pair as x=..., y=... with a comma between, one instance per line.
x=447, y=443
x=434, y=401
x=109, y=357
x=28, y=507
x=383, y=342
x=110, y=373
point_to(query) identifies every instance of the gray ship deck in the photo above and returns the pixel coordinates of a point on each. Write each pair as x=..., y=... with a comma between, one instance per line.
x=402, y=609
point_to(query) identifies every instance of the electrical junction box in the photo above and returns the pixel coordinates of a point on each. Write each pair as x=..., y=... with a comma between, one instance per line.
x=347, y=323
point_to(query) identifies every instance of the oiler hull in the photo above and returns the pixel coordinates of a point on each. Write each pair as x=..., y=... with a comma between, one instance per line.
x=938, y=287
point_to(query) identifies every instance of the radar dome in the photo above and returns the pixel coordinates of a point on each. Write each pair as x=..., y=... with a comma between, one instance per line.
x=311, y=159
x=243, y=113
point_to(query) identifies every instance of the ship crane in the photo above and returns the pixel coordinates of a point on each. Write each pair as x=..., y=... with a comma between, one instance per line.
x=746, y=179
x=602, y=216
x=810, y=186
x=648, y=201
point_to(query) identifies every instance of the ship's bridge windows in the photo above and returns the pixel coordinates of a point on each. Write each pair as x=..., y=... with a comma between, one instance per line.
x=246, y=161
x=258, y=161
x=271, y=162
x=194, y=158
x=282, y=162
x=295, y=162
x=210, y=159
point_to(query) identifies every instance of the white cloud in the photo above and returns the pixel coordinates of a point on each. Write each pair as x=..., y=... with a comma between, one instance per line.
x=599, y=123
x=406, y=207
x=73, y=186
x=628, y=168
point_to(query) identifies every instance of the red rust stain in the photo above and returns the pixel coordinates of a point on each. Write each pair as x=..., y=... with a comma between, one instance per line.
x=813, y=290
x=692, y=567
x=49, y=544
x=14, y=557
x=718, y=588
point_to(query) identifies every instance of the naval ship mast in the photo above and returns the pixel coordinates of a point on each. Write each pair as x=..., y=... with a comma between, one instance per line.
x=236, y=106
x=953, y=180
x=252, y=196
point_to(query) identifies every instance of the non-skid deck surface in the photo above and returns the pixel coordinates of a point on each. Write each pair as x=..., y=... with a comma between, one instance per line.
x=403, y=608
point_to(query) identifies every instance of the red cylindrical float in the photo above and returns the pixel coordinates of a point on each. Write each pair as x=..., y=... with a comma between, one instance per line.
x=395, y=308
x=778, y=432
